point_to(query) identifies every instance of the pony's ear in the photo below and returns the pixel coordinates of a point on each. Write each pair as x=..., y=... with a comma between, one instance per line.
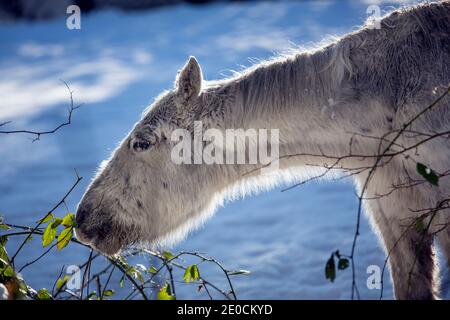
x=189, y=80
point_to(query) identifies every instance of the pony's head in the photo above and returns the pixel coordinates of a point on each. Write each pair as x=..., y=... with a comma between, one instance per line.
x=153, y=189
x=140, y=194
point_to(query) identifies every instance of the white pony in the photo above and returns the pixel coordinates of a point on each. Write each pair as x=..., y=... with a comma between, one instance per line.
x=329, y=105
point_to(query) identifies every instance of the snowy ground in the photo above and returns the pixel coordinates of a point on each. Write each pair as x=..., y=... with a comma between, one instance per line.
x=116, y=64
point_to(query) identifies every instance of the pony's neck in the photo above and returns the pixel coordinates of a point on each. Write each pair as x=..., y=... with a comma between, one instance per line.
x=299, y=95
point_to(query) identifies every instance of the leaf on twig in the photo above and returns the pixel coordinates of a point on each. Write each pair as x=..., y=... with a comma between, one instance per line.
x=108, y=293
x=7, y=271
x=61, y=282
x=165, y=293
x=134, y=272
x=152, y=270
x=43, y=294
x=91, y=295
x=343, y=263
x=428, y=174
x=330, y=269
x=68, y=220
x=4, y=226
x=64, y=238
x=191, y=274
x=49, y=235
x=56, y=222
x=3, y=254
x=46, y=218
x=3, y=241
x=168, y=255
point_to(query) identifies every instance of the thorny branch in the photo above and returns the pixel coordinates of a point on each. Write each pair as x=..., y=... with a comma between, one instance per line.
x=38, y=134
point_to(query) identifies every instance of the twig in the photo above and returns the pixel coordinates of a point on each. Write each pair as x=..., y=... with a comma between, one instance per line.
x=38, y=134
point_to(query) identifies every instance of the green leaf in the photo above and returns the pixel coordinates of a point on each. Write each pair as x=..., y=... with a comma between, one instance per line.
x=330, y=269
x=428, y=174
x=46, y=218
x=43, y=294
x=3, y=240
x=49, y=235
x=3, y=254
x=61, y=282
x=56, y=222
x=132, y=271
x=165, y=293
x=91, y=295
x=168, y=255
x=152, y=270
x=191, y=274
x=4, y=226
x=64, y=238
x=68, y=220
x=108, y=293
x=8, y=271
x=140, y=277
x=122, y=281
x=343, y=263
x=3, y=263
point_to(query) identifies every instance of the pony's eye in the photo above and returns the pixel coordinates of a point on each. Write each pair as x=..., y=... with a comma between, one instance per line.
x=141, y=145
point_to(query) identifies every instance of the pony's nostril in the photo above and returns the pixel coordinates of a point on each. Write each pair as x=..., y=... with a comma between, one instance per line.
x=80, y=217
x=82, y=234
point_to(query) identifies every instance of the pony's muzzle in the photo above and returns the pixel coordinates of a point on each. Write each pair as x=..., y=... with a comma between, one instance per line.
x=97, y=231
x=89, y=230
x=81, y=230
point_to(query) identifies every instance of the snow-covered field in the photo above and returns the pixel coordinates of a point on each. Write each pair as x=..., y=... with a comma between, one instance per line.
x=116, y=64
